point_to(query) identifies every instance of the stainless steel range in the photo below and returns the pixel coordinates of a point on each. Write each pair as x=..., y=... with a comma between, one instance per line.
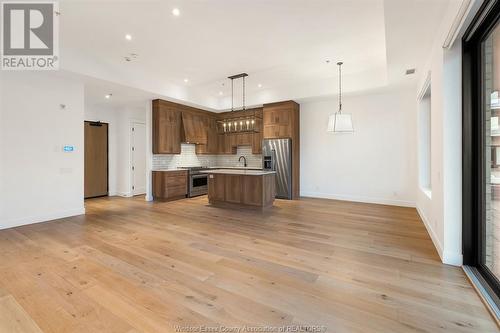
x=197, y=181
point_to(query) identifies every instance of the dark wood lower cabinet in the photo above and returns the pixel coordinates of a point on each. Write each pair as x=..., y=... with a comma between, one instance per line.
x=170, y=185
x=232, y=188
x=242, y=190
x=216, y=187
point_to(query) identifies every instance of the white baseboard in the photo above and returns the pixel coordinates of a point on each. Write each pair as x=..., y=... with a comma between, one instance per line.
x=447, y=257
x=454, y=259
x=42, y=218
x=430, y=231
x=380, y=201
x=124, y=194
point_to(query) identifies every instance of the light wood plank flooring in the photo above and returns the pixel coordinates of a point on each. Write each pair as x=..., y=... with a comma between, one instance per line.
x=131, y=266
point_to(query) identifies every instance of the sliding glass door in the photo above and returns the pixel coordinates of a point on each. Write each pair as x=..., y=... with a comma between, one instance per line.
x=490, y=256
x=481, y=149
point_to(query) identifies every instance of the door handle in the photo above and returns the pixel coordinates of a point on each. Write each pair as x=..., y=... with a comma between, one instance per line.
x=273, y=161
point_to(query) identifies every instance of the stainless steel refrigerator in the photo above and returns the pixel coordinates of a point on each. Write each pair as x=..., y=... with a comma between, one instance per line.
x=277, y=156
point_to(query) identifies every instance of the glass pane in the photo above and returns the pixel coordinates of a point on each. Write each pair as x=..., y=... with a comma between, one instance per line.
x=200, y=181
x=491, y=84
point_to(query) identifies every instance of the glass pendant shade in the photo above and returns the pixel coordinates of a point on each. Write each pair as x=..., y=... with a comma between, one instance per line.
x=340, y=123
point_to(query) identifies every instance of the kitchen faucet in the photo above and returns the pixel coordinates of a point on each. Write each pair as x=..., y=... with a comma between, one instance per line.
x=244, y=158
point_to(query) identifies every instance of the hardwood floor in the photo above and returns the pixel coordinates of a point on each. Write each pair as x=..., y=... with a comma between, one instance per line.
x=131, y=266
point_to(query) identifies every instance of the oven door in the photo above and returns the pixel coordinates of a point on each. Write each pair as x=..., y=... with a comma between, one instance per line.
x=198, y=185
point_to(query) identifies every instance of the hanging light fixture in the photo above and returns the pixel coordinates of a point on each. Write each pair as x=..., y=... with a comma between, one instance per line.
x=232, y=78
x=242, y=122
x=340, y=122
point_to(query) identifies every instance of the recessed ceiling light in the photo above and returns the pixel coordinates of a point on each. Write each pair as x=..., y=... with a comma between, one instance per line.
x=259, y=85
x=176, y=12
x=186, y=80
x=128, y=37
x=221, y=93
x=108, y=96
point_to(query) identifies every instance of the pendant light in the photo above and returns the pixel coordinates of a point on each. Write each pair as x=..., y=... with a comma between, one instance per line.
x=232, y=78
x=240, y=123
x=340, y=122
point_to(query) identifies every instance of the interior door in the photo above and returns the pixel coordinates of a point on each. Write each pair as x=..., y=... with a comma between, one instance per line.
x=138, y=158
x=96, y=159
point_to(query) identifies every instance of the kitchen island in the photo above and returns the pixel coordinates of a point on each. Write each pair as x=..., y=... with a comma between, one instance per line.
x=241, y=188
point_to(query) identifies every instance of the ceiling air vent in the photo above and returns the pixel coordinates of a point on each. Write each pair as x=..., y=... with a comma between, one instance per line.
x=410, y=71
x=131, y=57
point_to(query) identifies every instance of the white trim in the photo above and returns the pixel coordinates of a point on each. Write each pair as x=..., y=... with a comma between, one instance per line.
x=149, y=151
x=42, y=218
x=425, y=86
x=454, y=259
x=432, y=234
x=458, y=22
x=120, y=194
x=427, y=191
x=380, y=201
x=449, y=258
x=131, y=157
x=124, y=194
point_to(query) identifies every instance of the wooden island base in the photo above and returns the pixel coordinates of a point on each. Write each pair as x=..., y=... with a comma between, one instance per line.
x=241, y=190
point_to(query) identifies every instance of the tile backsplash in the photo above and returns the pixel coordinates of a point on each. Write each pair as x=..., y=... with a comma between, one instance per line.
x=188, y=157
x=253, y=161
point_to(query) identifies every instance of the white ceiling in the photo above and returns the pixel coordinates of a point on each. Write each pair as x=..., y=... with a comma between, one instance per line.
x=281, y=44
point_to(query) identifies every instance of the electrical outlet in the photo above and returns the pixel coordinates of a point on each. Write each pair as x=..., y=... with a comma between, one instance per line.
x=65, y=171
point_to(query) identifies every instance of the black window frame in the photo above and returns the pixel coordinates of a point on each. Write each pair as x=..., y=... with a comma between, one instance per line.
x=473, y=159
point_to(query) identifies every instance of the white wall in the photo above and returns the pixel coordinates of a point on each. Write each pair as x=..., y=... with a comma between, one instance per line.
x=119, y=120
x=39, y=181
x=442, y=212
x=375, y=164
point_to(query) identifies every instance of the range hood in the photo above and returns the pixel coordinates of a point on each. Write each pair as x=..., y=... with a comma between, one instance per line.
x=194, y=128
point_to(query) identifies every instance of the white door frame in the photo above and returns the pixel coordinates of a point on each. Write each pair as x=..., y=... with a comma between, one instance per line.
x=131, y=153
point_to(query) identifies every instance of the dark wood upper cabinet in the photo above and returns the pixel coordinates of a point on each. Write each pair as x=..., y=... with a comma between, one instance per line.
x=226, y=144
x=212, y=138
x=280, y=120
x=257, y=143
x=174, y=123
x=167, y=122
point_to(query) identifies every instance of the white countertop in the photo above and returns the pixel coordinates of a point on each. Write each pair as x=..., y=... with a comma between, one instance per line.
x=212, y=168
x=247, y=172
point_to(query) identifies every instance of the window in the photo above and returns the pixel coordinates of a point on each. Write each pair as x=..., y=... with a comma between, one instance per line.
x=424, y=139
x=481, y=151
